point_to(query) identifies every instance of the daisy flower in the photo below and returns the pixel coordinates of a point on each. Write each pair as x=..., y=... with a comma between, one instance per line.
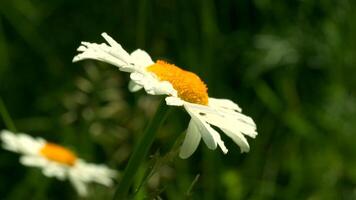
x=183, y=88
x=56, y=161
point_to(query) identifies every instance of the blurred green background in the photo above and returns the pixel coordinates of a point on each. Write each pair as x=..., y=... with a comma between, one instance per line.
x=289, y=64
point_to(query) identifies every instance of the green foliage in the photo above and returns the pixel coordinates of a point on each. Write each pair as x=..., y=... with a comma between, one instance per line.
x=289, y=64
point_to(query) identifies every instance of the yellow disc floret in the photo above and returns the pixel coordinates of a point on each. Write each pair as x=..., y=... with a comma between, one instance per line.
x=58, y=154
x=189, y=86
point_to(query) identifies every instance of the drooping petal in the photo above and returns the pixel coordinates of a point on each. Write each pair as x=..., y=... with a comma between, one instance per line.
x=204, y=129
x=218, y=139
x=231, y=124
x=79, y=186
x=191, y=141
x=232, y=130
x=239, y=139
x=134, y=87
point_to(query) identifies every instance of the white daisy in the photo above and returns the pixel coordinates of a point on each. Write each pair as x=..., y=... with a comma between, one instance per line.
x=183, y=88
x=57, y=161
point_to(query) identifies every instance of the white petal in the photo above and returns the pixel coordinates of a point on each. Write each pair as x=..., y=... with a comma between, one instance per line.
x=217, y=138
x=117, y=50
x=231, y=124
x=204, y=129
x=53, y=169
x=191, y=141
x=239, y=139
x=113, y=43
x=80, y=186
x=208, y=135
x=224, y=103
x=113, y=54
x=155, y=87
x=93, y=173
x=99, y=52
x=229, y=109
x=133, y=87
x=232, y=129
x=141, y=58
x=49, y=168
x=21, y=143
x=152, y=85
x=10, y=141
x=33, y=161
x=174, y=101
x=162, y=87
x=137, y=77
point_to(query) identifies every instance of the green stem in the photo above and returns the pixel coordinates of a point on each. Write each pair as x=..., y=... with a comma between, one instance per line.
x=140, y=152
x=6, y=117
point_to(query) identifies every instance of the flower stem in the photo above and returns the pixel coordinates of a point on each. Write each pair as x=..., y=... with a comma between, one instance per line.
x=6, y=117
x=140, y=152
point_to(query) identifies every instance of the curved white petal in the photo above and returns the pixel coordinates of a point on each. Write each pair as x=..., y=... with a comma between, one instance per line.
x=218, y=139
x=134, y=87
x=239, y=139
x=79, y=186
x=141, y=58
x=191, y=141
x=204, y=129
x=174, y=101
x=230, y=121
x=233, y=129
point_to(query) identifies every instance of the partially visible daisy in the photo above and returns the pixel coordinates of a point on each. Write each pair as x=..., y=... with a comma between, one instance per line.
x=183, y=88
x=57, y=161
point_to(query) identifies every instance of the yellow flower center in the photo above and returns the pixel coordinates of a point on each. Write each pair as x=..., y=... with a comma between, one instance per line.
x=58, y=154
x=189, y=86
